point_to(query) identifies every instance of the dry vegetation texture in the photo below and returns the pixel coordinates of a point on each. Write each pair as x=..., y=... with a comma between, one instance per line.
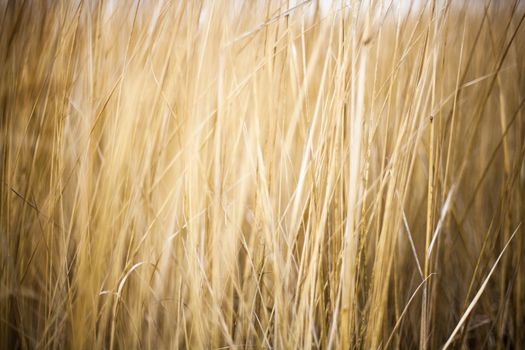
x=262, y=174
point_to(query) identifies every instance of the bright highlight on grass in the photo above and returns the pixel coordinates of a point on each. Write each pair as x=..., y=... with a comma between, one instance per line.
x=262, y=174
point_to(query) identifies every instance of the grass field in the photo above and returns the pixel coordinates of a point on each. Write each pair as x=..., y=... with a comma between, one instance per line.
x=262, y=174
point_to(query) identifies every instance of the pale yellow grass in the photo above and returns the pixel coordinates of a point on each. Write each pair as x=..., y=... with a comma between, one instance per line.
x=262, y=174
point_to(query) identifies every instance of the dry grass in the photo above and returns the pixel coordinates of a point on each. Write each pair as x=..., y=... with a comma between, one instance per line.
x=262, y=174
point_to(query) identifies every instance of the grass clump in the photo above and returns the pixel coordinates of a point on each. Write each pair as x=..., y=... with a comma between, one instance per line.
x=262, y=174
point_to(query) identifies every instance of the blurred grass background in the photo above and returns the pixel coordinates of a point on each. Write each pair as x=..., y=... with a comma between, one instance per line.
x=266, y=174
